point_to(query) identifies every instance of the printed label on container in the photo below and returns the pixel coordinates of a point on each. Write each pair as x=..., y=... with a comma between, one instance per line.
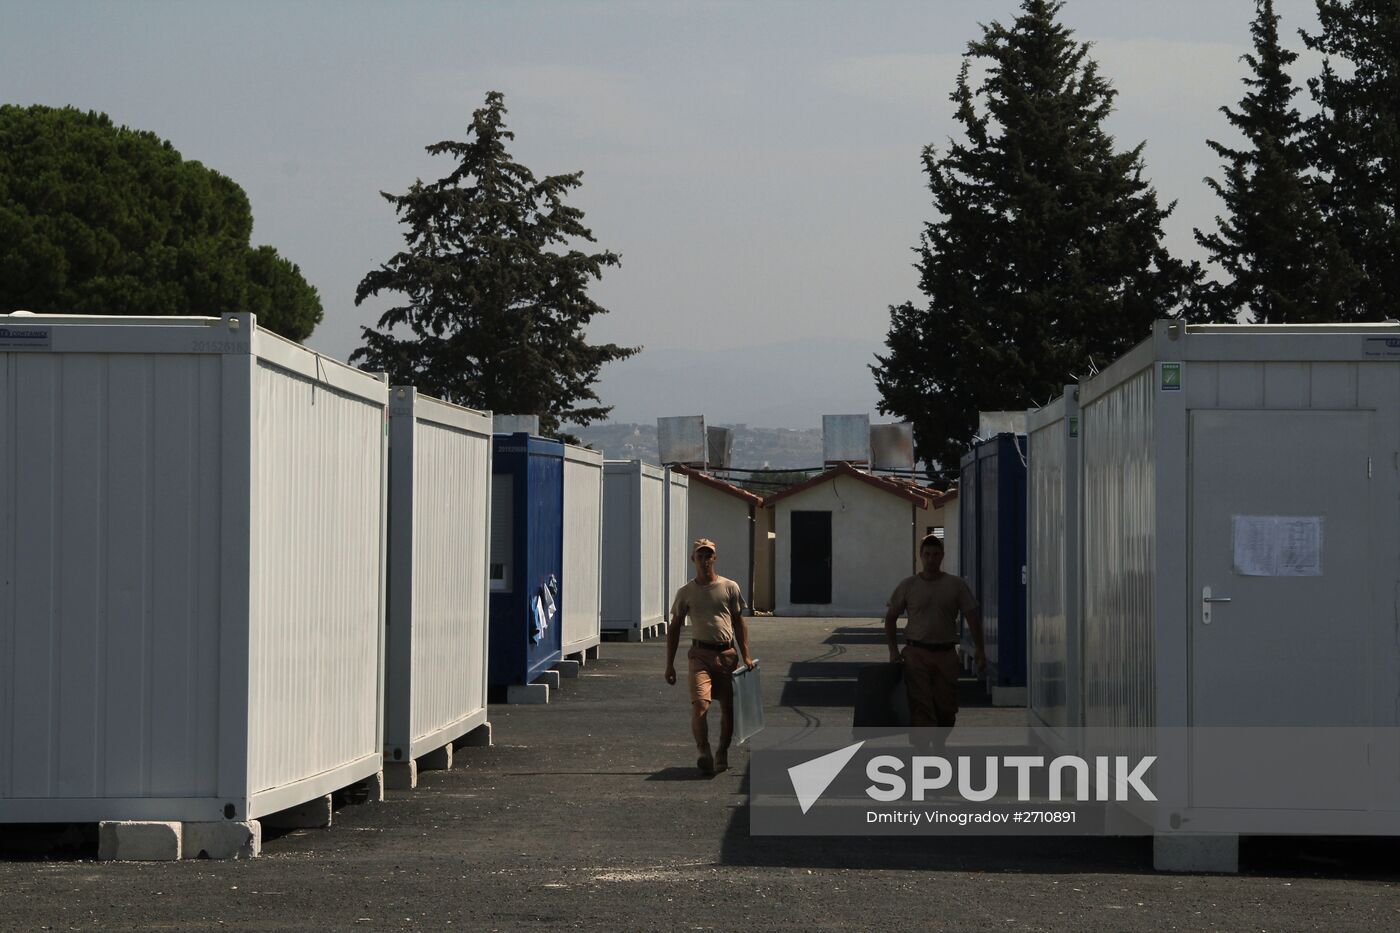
x=14, y=337
x=1171, y=377
x=1381, y=348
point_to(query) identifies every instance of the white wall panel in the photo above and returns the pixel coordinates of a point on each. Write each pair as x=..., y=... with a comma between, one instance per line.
x=109, y=473
x=1047, y=516
x=439, y=525
x=677, y=561
x=317, y=526
x=583, y=549
x=1119, y=555
x=136, y=642
x=634, y=534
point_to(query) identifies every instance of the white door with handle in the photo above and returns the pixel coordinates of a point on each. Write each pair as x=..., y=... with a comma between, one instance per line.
x=1279, y=555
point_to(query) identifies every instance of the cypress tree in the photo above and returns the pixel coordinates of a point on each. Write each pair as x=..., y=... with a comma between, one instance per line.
x=1282, y=262
x=1355, y=145
x=1046, y=253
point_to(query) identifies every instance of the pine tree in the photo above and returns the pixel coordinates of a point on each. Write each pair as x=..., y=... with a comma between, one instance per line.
x=97, y=218
x=1355, y=145
x=1283, y=264
x=1046, y=252
x=494, y=296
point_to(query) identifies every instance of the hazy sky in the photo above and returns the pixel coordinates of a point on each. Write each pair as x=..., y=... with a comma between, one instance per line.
x=756, y=164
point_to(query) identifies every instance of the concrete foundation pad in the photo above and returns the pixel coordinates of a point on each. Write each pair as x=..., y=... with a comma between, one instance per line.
x=313, y=814
x=527, y=693
x=480, y=737
x=221, y=840
x=550, y=679
x=369, y=790
x=138, y=841
x=439, y=759
x=1184, y=852
x=567, y=668
x=400, y=775
x=1008, y=696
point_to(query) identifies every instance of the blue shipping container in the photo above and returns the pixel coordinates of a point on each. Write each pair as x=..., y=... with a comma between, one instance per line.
x=527, y=558
x=992, y=527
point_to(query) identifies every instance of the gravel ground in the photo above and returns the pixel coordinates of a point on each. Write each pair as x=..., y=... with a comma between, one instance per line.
x=588, y=813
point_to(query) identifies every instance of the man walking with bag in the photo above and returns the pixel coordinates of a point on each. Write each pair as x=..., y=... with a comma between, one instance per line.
x=719, y=639
x=933, y=600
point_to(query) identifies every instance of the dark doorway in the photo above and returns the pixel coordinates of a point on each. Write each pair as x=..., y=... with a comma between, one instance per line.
x=811, y=558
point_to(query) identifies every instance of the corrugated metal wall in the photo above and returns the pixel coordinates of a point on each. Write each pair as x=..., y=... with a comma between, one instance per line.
x=621, y=590
x=655, y=600
x=110, y=483
x=678, y=569
x=583, y=553
x=451, y=488
x=1119, y=555
x=1047, y=520
x=316, y=578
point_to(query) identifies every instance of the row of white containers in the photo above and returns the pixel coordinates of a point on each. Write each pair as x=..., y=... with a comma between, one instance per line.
x=196, y=568
x=1215, y=551
x=646, y=536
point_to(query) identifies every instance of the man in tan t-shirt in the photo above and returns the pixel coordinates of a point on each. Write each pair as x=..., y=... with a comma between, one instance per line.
x=933, y=600
x=720, y=637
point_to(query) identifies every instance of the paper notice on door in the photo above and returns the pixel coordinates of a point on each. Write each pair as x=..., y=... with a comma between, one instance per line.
x=1278, y=545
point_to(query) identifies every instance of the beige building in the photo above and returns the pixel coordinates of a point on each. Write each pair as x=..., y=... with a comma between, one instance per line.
x=845, y=538
x=732, y=518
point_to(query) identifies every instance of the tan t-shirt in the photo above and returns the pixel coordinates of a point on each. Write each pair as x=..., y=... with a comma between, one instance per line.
x=933, y=606
x=711, y=609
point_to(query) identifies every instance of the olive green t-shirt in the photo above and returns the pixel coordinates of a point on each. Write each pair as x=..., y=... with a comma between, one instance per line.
x=711, y=609
x=933, y=606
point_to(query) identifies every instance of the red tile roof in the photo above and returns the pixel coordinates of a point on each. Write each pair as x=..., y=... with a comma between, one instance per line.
x=921, y=496
x=705, y=479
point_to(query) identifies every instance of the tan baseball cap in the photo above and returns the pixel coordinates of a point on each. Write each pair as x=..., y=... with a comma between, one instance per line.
x=702, y=543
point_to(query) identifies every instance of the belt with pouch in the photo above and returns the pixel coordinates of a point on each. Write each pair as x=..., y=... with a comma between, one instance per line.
x=932, y=645
x=712, y=645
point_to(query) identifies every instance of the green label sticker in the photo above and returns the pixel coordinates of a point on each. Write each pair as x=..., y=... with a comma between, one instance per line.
x=1074, y=427
x=1171, y=377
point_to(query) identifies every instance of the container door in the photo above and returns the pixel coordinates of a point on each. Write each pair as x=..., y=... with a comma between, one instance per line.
x=811, y=558
x=1279, y=608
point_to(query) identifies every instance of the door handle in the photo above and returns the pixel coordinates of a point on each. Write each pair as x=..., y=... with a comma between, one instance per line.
x=1206, y=600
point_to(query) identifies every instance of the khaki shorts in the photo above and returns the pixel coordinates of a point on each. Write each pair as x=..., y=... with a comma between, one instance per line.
x=711, y=675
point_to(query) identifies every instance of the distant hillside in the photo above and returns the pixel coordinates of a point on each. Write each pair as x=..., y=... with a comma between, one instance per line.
x=792, y=383
x=760, y=448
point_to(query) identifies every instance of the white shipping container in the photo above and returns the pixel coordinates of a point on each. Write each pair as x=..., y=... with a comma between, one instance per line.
x=439, y=525
x=678, y=566
x=1052, y=514
x=583, y=550
x=1241, y=539
x=193, y=570
x=634, y=535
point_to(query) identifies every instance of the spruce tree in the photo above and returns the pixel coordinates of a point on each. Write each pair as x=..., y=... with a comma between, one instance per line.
x=494, y=290
x=1046, y=254
x=1355, y=144
x=1281, y=261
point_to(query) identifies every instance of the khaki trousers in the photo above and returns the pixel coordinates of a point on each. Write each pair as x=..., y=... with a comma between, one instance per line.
x=931, y=681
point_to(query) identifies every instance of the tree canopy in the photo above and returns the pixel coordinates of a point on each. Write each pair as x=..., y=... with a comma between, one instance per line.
x=1046, y=251
x=493, y=288
x=1282, y=262
x=1354, y=142
x=101, y=219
